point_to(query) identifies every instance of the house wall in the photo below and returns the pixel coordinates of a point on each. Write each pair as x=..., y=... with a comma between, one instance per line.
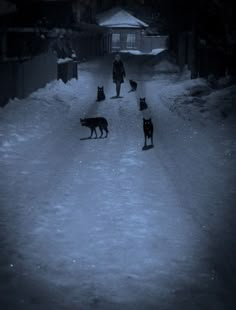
x=123, y=35
x=19, y=79
x=143, y=43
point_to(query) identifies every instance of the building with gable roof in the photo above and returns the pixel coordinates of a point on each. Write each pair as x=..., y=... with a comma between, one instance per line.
x=129, y=32
x=126, y=30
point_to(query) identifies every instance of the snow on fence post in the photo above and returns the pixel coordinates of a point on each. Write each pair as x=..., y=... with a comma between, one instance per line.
x=67, y=69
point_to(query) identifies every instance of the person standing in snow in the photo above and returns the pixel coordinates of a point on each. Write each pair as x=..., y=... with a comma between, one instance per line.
x=118, y=73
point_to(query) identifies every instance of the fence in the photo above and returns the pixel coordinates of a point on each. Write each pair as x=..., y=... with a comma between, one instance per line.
x=148, y=43
x=66, y=70
x=88, y=44
x=19, y=79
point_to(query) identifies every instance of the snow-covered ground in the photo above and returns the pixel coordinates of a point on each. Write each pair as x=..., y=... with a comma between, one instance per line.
x=64, y=60
x=101, y=224
x=155, y=51
x=195, y=100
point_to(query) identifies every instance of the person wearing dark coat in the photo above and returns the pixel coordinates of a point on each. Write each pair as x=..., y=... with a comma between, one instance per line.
x=118, y=73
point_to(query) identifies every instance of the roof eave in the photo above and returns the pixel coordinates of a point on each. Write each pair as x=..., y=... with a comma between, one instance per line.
x=124, y=26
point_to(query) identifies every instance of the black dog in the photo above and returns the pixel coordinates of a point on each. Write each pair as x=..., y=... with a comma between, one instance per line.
x=92, y=123
x=148, y=131
x=100, y=94
x=142, y=104
x=133, y=85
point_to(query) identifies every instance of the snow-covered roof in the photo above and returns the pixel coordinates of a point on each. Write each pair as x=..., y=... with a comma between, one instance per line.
x=6, y=7
x=119, y=18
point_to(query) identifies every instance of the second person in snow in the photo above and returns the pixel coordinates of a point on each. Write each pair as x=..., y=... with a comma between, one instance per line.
x=118, y=73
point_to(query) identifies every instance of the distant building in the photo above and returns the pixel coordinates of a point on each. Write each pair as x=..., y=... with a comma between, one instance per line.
x=126, y=30
x=6, y=7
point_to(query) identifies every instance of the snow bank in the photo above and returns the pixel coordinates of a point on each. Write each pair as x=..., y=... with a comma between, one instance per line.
x=64, y=60
x=132, y=52
x=166, y=66
x=137, y=52
x=195, y=100
x=221, y=102
x=221, y=82
x=32, y=117
x=156, y=51
x=56, y=90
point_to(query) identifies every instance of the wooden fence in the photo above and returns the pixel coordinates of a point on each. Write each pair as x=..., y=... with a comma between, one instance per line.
x=19, y=79
x=148, y=43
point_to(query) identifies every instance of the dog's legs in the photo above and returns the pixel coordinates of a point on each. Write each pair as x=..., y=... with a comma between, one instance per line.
x=106, y=131
x=95, y=132
x=145, y=140
x=101, y=132
x=91, y=133
x=118, y=85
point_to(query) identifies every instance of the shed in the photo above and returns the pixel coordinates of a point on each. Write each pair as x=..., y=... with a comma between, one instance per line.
x=126, y=30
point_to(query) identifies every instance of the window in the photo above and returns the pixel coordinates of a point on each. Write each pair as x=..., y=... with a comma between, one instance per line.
x=116, y=40
x=131, y=40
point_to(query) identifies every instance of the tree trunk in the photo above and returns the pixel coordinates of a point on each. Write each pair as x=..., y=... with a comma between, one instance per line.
x=182, y=50
x=194, y=43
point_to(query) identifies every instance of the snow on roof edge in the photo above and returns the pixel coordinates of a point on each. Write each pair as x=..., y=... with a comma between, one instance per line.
x=121, y=26
x=105, y=19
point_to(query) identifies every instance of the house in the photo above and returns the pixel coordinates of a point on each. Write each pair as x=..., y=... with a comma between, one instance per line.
x=126, y=30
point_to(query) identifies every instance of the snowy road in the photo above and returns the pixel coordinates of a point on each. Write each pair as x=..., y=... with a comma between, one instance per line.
x=101, y=224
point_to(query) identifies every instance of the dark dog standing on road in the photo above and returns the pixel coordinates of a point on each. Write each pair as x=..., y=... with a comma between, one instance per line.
x=94, y=122
x=148, y=131
x=142, y=104
x=100, y=94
